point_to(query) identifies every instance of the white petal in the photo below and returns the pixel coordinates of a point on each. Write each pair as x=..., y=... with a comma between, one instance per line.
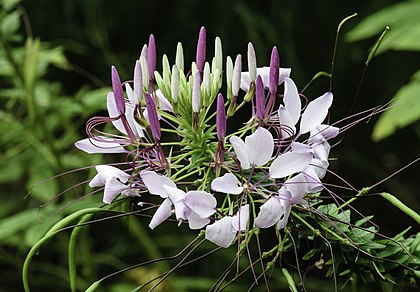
x=113, y=113
x=289, y=163
x=113, y=187
x=297, y=187
x=162, y=213
x=292, y=100
x=322, y=151
x=283, y=220
x=201, y=203
x=155, y=182
x=259, y=147
x=315, y=113
x=240, y=150
x=287, y=125
x=91, y=146
x=227, y=184
x=245, y=81
x=240, y=220
x=174, y=194
x=106, y=172
x=283, y=74
x=164, y=103
x=135, y=127
x=196, y=222
x=270, y=213
x=313, y=181
x=221, y=232
x=182, y=211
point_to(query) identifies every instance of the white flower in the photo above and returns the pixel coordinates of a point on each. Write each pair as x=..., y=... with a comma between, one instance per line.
x=223, y=231
x=113, y=179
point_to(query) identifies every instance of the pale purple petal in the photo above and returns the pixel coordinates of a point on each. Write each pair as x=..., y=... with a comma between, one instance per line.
x=322, y=151
x=240, y=220
x=270, y=212
x=285, y=217
x=182, y=211
x=221, y=232
x=315, y=113
x=155, y=183
x=259, y=147
x=289, y=163
x=196, y=222
x=292, y=100
x=264, y=72
x=227, y=184
x=323, y=133
x=106, y=172
x=113, y=187
x=240, y=149
x=162, y=213
x=200, y=202
x=301, y=147
x=91, y=146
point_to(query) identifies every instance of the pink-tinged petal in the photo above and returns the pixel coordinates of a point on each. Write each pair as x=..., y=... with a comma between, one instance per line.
x=227, y=184
x=162, y=213
x=155, y=183
x=174, y=194
x=259, y=146
x=315, y=113
x=113, y=187
x=91, y=146
x=240, y=150
x=288, y=128
x=285, y=217
x=297, y=187
x=300, y=147
x=270, y=212
x=114, y=113
x=201, y=203
x=292, y=100
x=196, y=222
x=240, y=220
x=165, y=105
x=221, y=232
x=289, y=163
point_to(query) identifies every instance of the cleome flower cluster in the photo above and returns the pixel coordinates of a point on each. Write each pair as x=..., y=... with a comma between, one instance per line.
x=170, y=129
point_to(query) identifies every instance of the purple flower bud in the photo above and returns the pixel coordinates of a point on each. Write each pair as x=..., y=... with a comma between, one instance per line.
x=151, y=56
x=274, y=71
x=260, y=98
x=153, y=117
x=201, y=50
x=118, y=92
x=221, y=118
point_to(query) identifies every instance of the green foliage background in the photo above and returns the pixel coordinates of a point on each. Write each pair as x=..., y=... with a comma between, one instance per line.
x=55, y=58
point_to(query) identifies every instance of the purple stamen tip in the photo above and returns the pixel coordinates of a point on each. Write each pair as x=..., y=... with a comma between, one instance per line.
x=274, y=71
x=153, y=117
x=118, y=92
x=221, y=118
x=201, y=50
x=151, y=56
x=260, y=98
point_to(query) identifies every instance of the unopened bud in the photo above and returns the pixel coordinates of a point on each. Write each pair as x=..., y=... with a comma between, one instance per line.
x=175, y=83
x=151, y=56
x=201, y=50
x=138, y=82
x=144, y=72
x=153, y=117
x=274, y=71
x=252, y=63
x=236, y=76
x=179, y=59
x=196, y=94
x=118, y=92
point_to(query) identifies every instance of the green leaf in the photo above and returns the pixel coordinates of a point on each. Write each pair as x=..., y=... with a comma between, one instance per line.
x=17, y=222
x=406, y=110
x=10, y=24
x=310, y=254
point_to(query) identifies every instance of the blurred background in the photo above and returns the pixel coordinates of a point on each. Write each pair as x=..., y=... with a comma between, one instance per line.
x=55, y=59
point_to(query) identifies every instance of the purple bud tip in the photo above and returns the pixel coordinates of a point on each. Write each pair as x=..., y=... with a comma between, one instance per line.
x=153, y=117
x=201, y=50
x=260, y=98
x=221, y=118
x=118, y=92
x=151, y=56
x=274, y=71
